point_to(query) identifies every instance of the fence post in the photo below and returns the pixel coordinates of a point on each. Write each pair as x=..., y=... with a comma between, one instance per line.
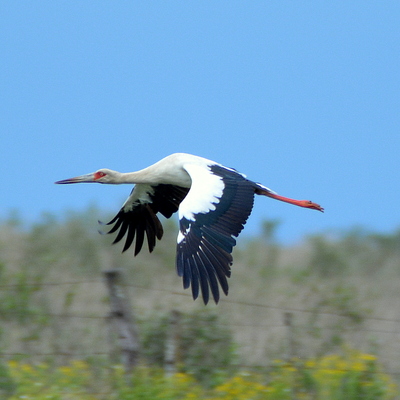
x=171, y=343
x=288, y=321
x=122, y=320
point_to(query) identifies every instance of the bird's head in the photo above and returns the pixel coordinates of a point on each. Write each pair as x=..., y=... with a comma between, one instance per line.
x=103, y=175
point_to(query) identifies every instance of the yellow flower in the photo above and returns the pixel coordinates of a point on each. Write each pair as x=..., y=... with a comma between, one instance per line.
x=66, y=371
x=26, y=368
x=80, y=365
x=12, y=364
x=368, y=357
x=183, y=378
x=310, y=364
x=358, y=366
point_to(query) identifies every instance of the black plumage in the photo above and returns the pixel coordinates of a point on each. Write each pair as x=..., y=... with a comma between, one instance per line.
x=140, y=218
x=204, y=255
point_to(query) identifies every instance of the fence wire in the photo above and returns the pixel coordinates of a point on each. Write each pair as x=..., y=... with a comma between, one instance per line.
x=259, y=329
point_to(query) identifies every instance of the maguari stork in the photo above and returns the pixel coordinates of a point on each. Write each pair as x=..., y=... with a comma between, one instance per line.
x=213, y=204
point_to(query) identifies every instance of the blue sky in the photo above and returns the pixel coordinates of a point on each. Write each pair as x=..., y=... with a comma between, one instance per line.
x=303, y=97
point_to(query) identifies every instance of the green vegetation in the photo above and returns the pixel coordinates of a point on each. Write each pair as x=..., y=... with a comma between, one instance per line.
x=352, y=376
x=198, y=331
x=340, y=289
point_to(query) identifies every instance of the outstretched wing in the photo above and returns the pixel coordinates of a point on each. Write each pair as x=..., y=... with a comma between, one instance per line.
x=212, y=214
x=138, y=215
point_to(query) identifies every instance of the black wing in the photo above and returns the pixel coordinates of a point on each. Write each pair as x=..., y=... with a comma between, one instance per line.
x=138, y=216
x=206, y=238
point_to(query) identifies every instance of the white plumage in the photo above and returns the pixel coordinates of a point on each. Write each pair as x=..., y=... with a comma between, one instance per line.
x=205, y=191
x=213, y=201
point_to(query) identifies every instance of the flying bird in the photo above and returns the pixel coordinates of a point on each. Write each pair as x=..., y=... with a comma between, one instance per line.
x=213, y=204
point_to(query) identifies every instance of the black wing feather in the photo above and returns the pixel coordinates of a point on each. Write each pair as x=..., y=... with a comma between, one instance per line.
x=209, y=239
x=211, y=275
x=129, y=238
x=195, y=277
x=140, y=229
x=122, y=231
x=140, y=218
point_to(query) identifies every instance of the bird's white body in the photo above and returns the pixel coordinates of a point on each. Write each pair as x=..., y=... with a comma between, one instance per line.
x=213, y=204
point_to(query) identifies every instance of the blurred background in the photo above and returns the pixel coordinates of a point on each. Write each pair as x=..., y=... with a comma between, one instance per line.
x=302, y=97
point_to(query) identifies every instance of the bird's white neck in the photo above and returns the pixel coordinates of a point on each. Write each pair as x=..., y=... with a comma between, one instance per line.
x=155, y=175
x=169, y=170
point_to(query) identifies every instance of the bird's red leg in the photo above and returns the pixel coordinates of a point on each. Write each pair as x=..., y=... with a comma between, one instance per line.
x=300, y=203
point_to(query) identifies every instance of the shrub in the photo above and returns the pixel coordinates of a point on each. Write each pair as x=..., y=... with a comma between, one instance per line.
x=197, y=331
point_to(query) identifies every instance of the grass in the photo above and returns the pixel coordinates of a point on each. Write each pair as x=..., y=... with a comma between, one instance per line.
x=350, y=376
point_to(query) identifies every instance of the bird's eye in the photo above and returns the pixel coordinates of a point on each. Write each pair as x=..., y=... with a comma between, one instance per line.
x=98, y=175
